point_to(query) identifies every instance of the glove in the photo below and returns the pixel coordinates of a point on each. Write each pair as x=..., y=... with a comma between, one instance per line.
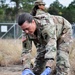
x=47, y=71
x=27, y=72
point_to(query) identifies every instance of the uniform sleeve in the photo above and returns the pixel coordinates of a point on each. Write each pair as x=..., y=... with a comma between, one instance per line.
x=49, y=34
x=26, y=43
x=66, y=37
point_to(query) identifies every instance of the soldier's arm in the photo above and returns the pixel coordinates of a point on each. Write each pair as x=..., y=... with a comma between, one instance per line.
x=26, y=43
x=66, y=36
x=26, y=56
x=49, y=34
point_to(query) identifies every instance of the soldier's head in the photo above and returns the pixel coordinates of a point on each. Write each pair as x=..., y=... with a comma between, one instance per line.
x=27, y=23
x=40, y=4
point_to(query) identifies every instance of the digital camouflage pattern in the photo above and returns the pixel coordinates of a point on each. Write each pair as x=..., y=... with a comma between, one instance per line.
x=52, y=39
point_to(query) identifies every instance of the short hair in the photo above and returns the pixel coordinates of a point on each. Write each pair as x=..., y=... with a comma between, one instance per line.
x=24, y=17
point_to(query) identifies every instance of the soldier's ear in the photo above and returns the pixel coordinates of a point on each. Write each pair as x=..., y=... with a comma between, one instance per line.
x=33, y=21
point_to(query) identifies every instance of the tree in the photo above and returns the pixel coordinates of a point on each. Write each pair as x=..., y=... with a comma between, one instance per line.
x=3, y=7
x=69, y=13
x=16, y=8
x=55, y=8
x=27, y=5
x=22, y=6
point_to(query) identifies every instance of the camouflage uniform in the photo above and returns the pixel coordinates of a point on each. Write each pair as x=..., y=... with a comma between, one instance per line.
x=39, y=12
x=52, y=39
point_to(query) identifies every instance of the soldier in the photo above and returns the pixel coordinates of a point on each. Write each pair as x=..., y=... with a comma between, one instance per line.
x=52, y=37
x=39, y=7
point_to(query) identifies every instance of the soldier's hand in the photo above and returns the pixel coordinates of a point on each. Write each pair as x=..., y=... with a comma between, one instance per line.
x=51, y=64
x=26, y=57
x=26, y=60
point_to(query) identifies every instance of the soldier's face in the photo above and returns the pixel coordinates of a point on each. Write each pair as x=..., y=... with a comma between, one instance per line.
x=29, y=28
x=42, y=6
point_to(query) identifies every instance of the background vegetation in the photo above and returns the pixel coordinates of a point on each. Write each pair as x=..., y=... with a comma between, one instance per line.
x=10, y=52
x=9, y=14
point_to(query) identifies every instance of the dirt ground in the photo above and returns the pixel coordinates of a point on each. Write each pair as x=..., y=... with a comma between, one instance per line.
x=11, y=70
x=17, y=70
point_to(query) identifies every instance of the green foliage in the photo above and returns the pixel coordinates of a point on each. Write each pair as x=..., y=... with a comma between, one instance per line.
x=55, y=8
x=27, y=5
x=2, y=10
x=67, y=12
x=1, y=14
x=2, y=1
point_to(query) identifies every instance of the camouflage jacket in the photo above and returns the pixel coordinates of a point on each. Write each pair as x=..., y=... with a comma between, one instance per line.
x=39, y=12
x=52, y=32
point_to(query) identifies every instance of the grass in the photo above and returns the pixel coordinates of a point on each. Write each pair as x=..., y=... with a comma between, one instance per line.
x=10, y=52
